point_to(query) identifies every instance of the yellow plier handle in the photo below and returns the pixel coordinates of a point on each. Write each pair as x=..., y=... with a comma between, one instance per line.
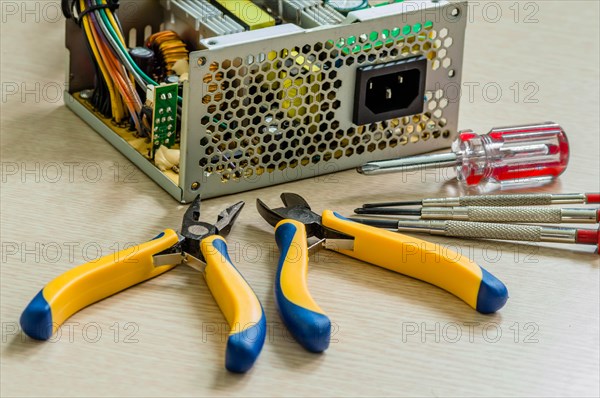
x=422, y=260
x=238, y=303
x=92, y=282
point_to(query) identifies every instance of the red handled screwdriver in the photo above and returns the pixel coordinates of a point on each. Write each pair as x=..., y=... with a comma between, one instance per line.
x=535, y=152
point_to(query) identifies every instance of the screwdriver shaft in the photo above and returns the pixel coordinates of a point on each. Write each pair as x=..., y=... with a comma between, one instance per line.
x=412, y=163
x=388, y=211
x=528, y=199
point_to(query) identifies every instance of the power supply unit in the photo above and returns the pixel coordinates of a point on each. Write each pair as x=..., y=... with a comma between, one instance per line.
x=215, y=97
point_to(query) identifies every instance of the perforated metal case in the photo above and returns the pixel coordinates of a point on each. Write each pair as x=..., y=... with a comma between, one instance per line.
x=274, y=105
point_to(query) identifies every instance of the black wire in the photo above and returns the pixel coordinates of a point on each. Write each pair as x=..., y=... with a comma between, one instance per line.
x=71, y=9
x=115, y=6
x=95, y=7
x=101, y=97
x=66, y=9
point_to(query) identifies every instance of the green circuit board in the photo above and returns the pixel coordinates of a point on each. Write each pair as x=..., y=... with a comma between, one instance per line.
x=164, y=120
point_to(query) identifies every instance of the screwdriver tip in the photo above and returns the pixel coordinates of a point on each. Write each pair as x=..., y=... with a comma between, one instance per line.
x=367, y=169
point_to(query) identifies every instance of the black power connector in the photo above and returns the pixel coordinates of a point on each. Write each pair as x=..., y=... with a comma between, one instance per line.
x=390, y=90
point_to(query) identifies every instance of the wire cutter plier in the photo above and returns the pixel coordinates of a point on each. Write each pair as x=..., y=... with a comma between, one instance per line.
x=199, y=245
x=429, y=262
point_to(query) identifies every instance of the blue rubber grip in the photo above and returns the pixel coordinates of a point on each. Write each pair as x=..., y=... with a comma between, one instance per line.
x=36, y=319
x=243, y=348
x=239, y=304
x=309, y=326
x=492, y=294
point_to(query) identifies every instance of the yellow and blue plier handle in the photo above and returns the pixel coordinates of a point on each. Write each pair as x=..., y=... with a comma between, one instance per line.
x=422, y=260
x=410, y=256
x=305, y=320
x=94, y=281
x=238, y=303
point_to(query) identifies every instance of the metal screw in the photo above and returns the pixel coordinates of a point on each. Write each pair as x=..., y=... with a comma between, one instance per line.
x=455, y=12
x=195, y=186
x=201, y=61
x=86, y=94
x=451, y=73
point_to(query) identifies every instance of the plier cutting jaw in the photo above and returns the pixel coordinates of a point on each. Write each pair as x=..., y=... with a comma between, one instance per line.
x=200, y=245
x=296, y=222
x=193, y=232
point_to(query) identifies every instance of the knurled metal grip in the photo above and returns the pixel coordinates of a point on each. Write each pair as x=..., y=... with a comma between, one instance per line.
x=507, y=200
x=512, y=214
x=462, y=229
x=491, y=200
x=515, y=214
x=531, y=233
x=494, y=214
x=482, y=230
x=542, y=199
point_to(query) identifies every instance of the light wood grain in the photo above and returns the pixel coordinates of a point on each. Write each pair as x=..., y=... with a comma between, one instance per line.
x=554, y=289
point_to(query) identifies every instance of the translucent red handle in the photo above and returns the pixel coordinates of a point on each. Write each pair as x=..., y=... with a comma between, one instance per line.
x=518, y=154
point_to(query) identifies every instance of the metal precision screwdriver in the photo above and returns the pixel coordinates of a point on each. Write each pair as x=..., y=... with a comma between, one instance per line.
x=526, y=199
x=493, y=214
x=518, y=154
x=481, y=230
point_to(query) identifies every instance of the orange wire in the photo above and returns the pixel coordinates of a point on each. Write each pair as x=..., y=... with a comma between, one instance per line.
x=106, y=56
x=112, y=66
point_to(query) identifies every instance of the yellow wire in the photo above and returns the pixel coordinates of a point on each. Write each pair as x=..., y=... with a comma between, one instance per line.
x=114, y=24
x=111, y=19
x=114, y=103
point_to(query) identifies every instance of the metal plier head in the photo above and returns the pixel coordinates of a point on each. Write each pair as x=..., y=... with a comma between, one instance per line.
x=193, y=230
x=296, y=208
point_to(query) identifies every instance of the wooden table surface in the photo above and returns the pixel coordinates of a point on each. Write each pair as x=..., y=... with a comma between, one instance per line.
x=393, y=335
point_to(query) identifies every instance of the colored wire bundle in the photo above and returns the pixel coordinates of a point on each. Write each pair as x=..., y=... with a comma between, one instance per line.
x=117, y=72
x=113, y=71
